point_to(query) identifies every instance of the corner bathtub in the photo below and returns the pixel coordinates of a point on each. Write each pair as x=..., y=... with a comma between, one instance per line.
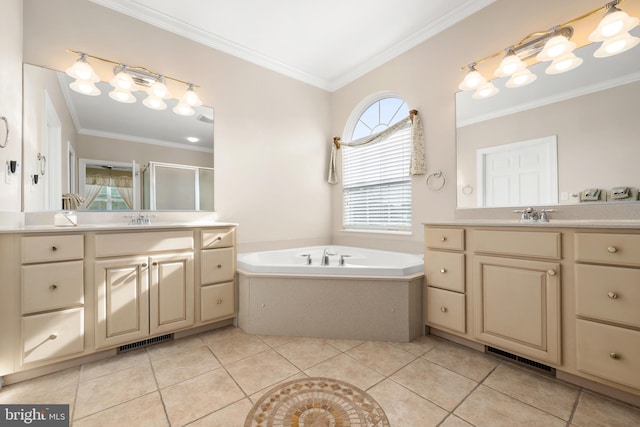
x=376, y=295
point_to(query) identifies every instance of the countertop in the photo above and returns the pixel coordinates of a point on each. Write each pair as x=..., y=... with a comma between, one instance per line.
x=559, y=223
x=112, y=227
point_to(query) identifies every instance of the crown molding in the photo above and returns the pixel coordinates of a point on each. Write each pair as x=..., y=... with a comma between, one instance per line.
x=153, y=17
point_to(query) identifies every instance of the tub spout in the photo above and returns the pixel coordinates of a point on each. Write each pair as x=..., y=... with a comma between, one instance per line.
x=325, y=258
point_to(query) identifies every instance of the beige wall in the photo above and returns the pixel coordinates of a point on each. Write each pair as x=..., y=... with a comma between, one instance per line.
x=594, y=145
x=271, y=131
x=427, y=78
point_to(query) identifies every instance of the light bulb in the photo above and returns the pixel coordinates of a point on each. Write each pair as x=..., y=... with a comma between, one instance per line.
x=554, y=47
x=159, y=90
x=521, y=78
x=564, y=63
x=472, y=80
x=81, y=70
x=123, y=81
x=190, y=97
x=615, y=22
x=122, y=95
x=183, y=109
x=85, y=87
x=615, y=45
x=154, y=103
x=485, y=91
x=510, y=64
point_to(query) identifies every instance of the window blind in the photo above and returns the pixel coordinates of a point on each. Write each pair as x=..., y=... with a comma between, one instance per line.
x=377, y=184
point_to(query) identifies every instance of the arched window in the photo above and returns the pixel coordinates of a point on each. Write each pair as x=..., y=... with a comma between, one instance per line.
x=376, y=181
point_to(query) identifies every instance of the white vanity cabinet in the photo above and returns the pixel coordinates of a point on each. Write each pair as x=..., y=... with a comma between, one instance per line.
x=217, y=274
x=144, y=285
x=52, y=297
x=608, y=306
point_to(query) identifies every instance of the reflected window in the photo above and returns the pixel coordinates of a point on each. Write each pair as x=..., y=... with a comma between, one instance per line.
x=108, y=199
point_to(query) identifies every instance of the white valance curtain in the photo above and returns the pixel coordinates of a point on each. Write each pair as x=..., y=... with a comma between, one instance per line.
x=418, y=166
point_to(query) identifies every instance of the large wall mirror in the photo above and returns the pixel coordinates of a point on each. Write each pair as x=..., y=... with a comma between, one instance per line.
x=101, y=149
x=555, y=141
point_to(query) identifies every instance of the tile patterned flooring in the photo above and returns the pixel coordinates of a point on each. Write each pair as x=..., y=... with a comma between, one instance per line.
x=213, y=379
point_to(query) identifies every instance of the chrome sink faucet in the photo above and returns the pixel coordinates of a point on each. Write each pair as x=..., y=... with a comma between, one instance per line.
x=531, y=215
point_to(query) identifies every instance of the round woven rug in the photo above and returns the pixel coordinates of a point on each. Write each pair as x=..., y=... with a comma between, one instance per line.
x=316, y=402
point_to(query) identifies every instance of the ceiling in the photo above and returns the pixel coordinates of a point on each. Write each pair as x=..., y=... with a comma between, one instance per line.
x=325, y=43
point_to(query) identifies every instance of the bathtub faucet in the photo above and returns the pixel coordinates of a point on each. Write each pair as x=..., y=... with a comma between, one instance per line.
x=308, y=256
x=325, y=257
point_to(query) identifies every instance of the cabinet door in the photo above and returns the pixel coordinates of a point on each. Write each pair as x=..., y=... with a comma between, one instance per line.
x=171, y=293
x=122, y=300
x=517, y=306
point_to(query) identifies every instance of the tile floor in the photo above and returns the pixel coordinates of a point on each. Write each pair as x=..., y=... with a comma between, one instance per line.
x=212, y=379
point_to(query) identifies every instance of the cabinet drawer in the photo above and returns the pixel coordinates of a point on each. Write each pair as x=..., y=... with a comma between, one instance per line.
x=445, y=309
x=444, y=270
x=444, y=238
x=536, y=244
x=218, y=238
x=51, y=335
x=217, y=265
x=608, y=293
x=217, y=301
x=117, y=244
x=52, y=248
x=52, y=286
x=619, y=249
x=609, y=352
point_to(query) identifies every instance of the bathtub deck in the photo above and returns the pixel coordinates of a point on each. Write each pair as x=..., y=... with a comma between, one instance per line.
x=380, y=309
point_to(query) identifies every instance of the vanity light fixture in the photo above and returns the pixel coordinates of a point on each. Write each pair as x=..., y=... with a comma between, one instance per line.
x=554, y=45
x=129, y=79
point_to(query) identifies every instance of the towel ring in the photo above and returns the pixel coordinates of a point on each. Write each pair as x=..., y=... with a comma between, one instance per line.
x=436, y=181
x=467, y=190
x=6, y=132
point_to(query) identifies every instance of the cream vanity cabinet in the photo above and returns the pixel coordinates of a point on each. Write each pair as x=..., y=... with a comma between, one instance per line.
x=144, y=284
x=516, y=292
x=217, y=274
x=444, y=269
x=608, y=306
x=52, y=297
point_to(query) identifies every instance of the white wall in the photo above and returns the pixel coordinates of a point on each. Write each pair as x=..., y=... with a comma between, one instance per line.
x=271, y=131
x=11, y=102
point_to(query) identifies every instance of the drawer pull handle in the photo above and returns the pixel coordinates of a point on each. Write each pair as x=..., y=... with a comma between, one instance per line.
x=220, y=301
x=614, y=355
x=443, y=239
x=53, y=336
x=144, y=264
x=612, y=249
x=443, y=270
x=219, y=266
x=53, y=287
x=53, y=248
x=218, y=238
x=551, y=272
x=443, y=309
x=612, y=295
x=154, y=263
